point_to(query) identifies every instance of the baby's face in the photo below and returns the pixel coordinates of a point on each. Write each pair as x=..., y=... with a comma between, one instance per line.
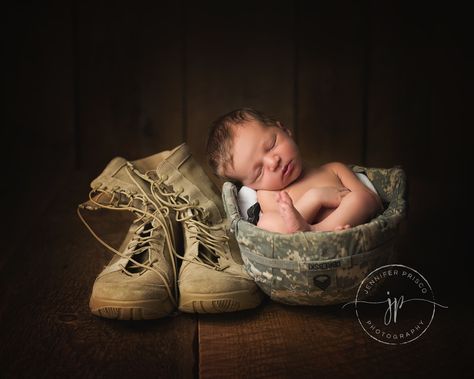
x=264, y=157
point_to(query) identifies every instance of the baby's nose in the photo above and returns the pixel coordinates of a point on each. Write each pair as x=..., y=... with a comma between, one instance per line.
x=273, y=162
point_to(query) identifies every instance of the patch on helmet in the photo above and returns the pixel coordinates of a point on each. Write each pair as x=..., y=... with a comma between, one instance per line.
x=322, y=281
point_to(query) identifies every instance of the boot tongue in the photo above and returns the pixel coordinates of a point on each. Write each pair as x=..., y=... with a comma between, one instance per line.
x=124, y=180
x=114, y=176
x=187, y=173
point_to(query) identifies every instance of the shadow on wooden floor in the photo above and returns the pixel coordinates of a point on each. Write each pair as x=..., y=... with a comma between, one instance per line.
x=48, y=331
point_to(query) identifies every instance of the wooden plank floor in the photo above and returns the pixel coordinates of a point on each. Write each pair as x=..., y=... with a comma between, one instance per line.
x=278, y=341
x=47, y=329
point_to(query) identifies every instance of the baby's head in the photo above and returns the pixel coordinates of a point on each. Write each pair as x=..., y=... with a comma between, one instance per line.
x=251, y=148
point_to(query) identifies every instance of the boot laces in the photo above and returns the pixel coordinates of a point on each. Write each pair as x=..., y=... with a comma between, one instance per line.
x=139, y=246
x=151, y=216
x=194, y=218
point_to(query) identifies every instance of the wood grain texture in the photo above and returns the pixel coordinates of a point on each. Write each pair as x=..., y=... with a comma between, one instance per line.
x=380, y=83
x=416, y=119
x=399, y=86
x=48, y=330
x=331, y=62
x=238, y=55
x=277, y=341
x=129, y=79
x=38, y=113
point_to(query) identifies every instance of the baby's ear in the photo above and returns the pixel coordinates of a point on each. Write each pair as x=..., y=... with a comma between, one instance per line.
x=288, y=131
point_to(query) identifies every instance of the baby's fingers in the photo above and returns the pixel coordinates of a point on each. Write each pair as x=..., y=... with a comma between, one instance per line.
x=278, y=196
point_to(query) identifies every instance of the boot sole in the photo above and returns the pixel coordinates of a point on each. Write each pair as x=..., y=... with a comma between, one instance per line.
x=130, y=310
x=219, y=303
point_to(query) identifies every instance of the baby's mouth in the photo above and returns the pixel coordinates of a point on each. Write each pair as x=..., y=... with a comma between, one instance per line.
x=287, y=169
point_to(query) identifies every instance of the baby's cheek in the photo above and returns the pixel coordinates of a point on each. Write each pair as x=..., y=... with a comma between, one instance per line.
x=278, y=185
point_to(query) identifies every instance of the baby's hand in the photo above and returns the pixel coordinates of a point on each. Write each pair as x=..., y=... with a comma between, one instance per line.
x=330, y=197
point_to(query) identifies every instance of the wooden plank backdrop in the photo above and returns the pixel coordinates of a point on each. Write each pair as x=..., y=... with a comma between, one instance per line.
x=373, y=83
x=130, y=80
x=237, y=56
x=416, y=119
x=331, y=53
x=38, y=114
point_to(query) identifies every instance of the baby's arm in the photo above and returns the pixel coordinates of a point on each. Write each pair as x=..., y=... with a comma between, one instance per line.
x=314, y=199
x=357, y=207
x=279, y=214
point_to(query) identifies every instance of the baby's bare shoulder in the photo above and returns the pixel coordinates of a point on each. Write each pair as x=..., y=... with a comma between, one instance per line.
x=334, y=166
x=315, y=177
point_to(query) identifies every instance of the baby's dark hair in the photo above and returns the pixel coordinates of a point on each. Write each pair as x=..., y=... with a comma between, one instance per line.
x=220, y=137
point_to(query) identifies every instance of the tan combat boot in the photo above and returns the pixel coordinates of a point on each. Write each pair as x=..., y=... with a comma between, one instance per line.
x=140, y=281
x=212, y=278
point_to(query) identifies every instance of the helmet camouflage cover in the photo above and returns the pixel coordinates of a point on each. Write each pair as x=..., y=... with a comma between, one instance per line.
x=321, y=268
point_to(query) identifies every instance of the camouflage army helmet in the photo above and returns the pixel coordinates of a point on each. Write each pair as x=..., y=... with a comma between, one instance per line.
x=321, y=268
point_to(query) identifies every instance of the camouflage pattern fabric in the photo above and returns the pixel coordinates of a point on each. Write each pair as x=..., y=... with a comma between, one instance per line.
x=321, y=268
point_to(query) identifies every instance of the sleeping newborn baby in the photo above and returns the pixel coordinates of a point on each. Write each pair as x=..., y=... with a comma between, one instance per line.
x=250, y=208
x=249, y=147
